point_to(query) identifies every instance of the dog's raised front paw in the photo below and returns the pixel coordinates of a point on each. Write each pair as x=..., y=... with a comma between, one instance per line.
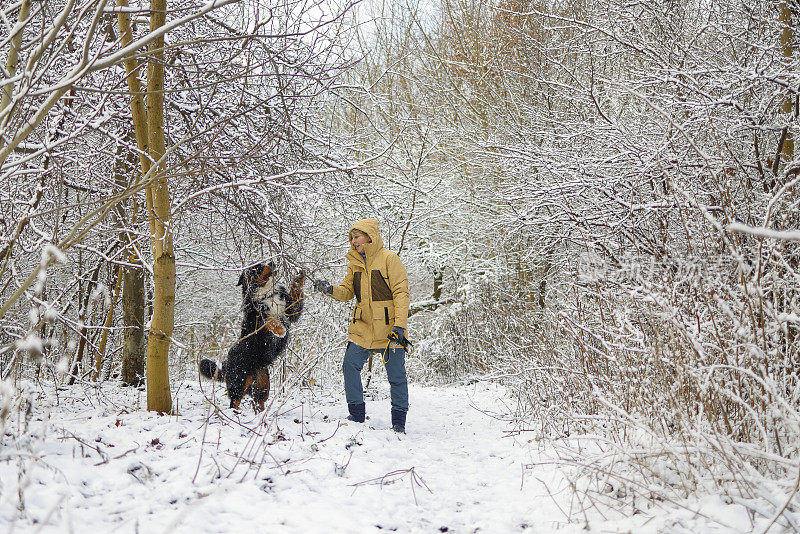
x=275, y=326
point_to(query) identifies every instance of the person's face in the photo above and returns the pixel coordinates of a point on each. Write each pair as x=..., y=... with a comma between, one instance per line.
x=358, y=241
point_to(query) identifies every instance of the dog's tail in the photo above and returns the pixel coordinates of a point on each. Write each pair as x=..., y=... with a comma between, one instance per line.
x=210, y=370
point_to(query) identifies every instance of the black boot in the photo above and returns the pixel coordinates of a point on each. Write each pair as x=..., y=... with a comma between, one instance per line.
x=358, y=412
x=399, y=421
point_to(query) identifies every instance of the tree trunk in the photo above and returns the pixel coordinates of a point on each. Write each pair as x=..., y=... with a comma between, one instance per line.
x=787, y=147
x=162, y=321
x=100, y=354
x=84, y=319
x=135, y=345
x=138, y=110
x=133, y=279
x=790, y=348
x=11, y=64
x=438, y=281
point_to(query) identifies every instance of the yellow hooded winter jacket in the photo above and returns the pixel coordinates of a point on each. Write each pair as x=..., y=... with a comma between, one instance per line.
x=380, y=288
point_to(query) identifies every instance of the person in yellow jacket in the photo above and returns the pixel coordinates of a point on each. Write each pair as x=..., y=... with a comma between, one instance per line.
x=378, y=280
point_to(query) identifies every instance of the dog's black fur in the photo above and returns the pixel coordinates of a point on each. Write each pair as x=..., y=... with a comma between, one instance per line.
x=269, y=310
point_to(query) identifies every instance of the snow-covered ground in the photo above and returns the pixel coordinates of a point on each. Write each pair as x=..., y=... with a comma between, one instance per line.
x=93, y=460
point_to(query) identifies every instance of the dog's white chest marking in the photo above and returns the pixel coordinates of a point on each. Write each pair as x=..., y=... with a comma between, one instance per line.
x=270, y=301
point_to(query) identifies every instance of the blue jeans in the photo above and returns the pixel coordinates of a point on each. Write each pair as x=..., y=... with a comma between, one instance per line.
x=354, y=359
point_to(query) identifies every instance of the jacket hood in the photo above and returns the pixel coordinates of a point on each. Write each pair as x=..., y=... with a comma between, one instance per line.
x=369, y=227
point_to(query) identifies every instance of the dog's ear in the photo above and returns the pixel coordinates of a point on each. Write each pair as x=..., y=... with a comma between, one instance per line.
x=241, y=280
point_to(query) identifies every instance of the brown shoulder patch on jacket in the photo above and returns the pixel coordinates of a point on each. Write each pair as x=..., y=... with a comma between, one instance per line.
x=380, y=289
x=357, y=285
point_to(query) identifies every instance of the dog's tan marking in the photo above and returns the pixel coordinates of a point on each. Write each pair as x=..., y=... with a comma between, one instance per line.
x=261, y=382
x=265, y=274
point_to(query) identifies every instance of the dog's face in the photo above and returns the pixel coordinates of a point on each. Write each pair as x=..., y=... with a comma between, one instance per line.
x=259, y=289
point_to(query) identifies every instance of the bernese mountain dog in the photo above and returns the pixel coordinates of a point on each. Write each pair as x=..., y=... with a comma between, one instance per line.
x=269, y=310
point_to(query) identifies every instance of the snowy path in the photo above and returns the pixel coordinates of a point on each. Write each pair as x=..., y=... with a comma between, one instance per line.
x=472, y=473
x=105, y=467
x=102, y=464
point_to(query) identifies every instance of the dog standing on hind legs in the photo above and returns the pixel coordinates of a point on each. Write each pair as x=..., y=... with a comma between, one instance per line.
x=269, y=310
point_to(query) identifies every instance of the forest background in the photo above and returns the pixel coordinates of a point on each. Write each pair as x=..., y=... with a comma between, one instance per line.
x=597, y=204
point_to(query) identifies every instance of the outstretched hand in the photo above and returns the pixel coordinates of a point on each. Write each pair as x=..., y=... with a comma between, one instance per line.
x=323, y=286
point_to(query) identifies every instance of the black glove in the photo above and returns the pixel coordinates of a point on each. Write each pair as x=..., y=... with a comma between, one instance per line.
x=323, y=286
x=398, y=335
